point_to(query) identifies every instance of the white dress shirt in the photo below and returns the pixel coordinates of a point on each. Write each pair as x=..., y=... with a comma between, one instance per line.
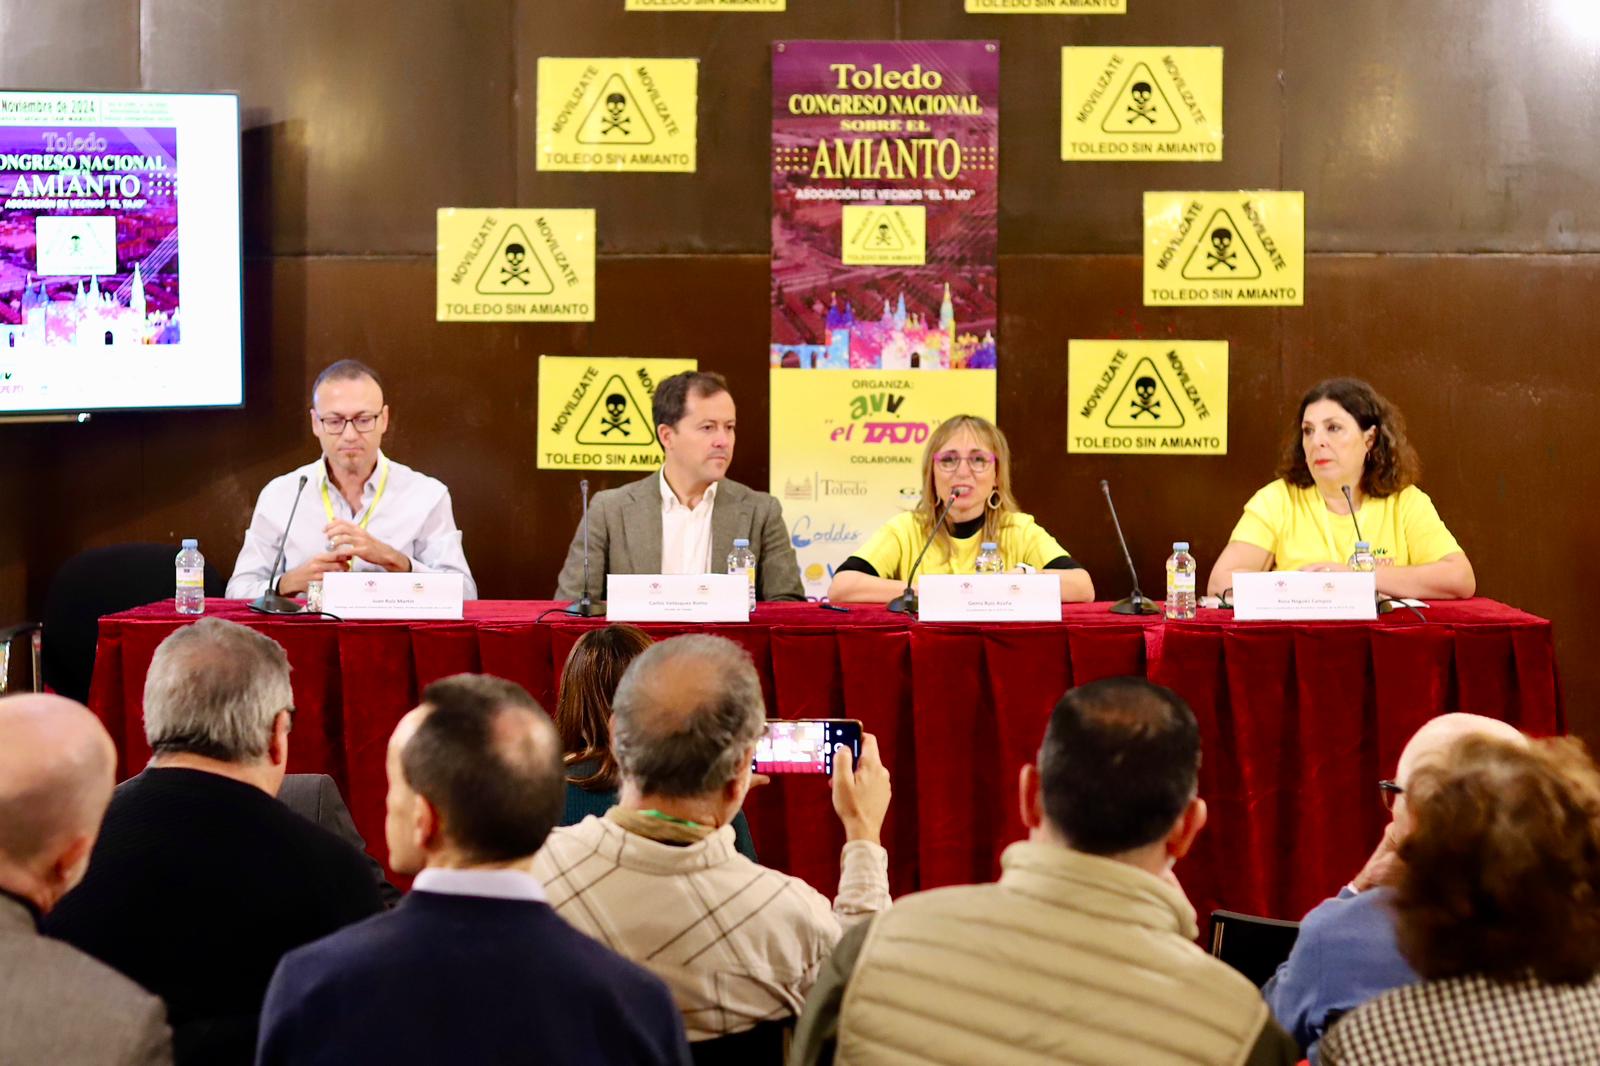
x=685, y=532
x=413, y=517
x=493, y=884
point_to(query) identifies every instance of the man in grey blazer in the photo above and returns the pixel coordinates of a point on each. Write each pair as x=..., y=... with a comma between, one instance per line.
x=58, y=1005
x=684, y=519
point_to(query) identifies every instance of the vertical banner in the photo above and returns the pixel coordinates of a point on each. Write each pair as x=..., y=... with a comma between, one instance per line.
x=884, y=196
x=847, y=452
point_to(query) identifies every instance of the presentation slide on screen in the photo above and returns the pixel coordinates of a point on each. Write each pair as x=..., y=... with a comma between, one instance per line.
x=119, y=251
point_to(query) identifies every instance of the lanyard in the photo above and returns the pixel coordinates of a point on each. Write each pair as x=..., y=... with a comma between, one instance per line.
x=372, y=508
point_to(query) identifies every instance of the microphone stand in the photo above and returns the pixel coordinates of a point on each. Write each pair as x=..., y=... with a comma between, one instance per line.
x=585, y=606
x=906, y=602
x=1136, y=603
x=1351, y=502
x=270, y=602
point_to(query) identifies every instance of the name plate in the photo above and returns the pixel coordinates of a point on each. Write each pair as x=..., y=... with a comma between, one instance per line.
x=989, y=598
x=677, y=598
x=1297, y=595
x=385, y=595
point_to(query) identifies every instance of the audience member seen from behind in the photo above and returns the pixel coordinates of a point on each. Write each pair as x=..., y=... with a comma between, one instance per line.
x=1348, y=436
x=583, y=718
x=201, y=879
x=967, y=460
x=1084, y=950
x=58, y=1005
x=658, y=877
x=1346, y=952
x=1496, y=910
x=473, y=966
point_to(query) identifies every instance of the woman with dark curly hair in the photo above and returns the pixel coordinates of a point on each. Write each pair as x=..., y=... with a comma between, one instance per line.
x=1348, y=436
x=1497, y=909
x=583, y=718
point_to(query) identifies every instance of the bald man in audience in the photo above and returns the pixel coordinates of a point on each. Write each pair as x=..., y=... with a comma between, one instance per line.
x=1346, y=953
x=58, y=1005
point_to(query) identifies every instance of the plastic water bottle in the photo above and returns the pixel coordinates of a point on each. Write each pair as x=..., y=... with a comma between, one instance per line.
x=1362, y=560
x=1180, y=582
x=989, y=561
x=191, y=597
x=743, y=561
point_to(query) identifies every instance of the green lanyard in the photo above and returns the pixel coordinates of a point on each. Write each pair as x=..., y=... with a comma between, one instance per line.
x=662, y=816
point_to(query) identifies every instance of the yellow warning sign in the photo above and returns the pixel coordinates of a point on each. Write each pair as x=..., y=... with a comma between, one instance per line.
x=617, y=114
x=1147, y=397
x=884, y=235
x=515, y=264
x=705, y=5
x=1047, y=7
x=594, y=414
x=1229, y=248
x=1147, y=105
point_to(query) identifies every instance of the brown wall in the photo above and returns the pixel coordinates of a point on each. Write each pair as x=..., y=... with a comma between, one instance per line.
x=1447, y=153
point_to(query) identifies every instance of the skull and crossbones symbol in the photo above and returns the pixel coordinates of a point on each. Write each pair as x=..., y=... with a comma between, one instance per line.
x=1221, y=241
x=882, y=239
x=1146, y=403
x=616, y=104
x=1141, y=106
x=514, y=270
x=613, y=420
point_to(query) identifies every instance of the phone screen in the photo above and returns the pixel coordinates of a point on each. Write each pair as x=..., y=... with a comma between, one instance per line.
x=805, y=745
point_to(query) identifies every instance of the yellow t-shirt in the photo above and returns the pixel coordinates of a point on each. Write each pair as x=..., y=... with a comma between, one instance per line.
x=1295, y=525
x=894, y=547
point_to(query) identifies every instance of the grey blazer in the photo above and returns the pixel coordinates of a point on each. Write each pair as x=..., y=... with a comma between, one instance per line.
x=625, y=538
x=316, y=798
x=59, y=1006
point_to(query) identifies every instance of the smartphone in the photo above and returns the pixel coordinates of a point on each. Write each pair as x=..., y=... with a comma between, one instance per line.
x=805, y=745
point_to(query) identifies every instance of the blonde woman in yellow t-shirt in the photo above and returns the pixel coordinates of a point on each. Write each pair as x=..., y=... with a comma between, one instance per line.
x=1349, y=436
x=966, y=458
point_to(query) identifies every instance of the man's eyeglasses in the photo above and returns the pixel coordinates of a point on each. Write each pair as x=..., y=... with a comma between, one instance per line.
x=334, y=424
x=977, y=462
x=1389, y=791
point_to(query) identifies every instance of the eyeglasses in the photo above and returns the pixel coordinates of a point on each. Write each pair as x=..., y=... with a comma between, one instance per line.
x=977, y=462
x=1389, y=791
x=334, y=424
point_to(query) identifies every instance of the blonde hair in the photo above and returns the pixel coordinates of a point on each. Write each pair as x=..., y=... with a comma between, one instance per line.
x=996, y=517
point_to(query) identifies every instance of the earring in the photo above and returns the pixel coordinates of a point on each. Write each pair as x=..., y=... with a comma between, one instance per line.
x=994, y=500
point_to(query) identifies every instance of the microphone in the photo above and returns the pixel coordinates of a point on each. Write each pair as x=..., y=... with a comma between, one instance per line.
x=906, y=602
x=585, y=606
x=1349, y=499
x=269, y=602
x=1136, y=602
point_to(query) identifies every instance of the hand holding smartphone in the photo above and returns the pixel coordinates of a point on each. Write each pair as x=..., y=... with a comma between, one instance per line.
x=805, y=745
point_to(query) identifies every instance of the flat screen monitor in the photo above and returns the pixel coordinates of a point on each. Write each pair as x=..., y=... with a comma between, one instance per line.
x=120, y=264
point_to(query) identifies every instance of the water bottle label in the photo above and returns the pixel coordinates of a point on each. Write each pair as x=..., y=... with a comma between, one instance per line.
x=191, y=577
x=1180, y=583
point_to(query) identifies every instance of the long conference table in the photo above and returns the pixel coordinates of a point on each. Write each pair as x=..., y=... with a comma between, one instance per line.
x=1299, y=720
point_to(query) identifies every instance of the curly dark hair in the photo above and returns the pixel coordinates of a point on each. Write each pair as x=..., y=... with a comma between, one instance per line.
x=583, y=707
x=1391, y=464
x=1501, y=869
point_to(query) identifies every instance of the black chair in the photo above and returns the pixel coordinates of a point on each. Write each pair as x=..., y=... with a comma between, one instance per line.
x=1254, y=946
x=762, y=1046
x=98, y=582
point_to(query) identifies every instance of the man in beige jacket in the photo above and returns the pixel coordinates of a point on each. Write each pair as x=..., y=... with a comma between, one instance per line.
x=1084, y=950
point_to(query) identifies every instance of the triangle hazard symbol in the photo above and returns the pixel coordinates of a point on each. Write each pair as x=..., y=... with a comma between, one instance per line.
x=1221, y=253
x=515, y=269
x=1142, y=106
x=881, y=235
x=616, y=418
x=616, y=118
x=1145, y=402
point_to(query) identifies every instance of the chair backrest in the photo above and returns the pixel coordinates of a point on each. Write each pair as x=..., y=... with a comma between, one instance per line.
x=1252, y=945
x=762, y=1046
x=98, y=582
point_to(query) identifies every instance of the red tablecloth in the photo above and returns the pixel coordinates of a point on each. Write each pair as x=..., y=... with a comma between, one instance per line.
x=1299, y=721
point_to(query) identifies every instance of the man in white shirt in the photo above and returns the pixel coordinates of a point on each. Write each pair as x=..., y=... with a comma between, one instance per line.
x=472, y=966
x=685, y=519
x=360, y=510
